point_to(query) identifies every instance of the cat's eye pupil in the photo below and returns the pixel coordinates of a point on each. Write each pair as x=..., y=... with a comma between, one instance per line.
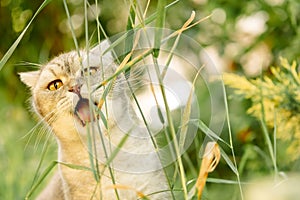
x=55, y=85
x=89, y=71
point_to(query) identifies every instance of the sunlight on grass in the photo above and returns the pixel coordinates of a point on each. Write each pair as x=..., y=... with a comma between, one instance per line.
x=251, y=120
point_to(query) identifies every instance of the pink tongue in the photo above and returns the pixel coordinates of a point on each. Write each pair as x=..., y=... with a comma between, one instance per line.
x=82, y=110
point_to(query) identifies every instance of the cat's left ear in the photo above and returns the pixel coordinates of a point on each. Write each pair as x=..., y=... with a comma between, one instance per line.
x=29, y=78
x=101, y=52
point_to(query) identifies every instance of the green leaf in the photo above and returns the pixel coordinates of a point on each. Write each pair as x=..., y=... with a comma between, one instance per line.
x=207, y=131
x=229, y=162
x=117, y=149
x=186, y=116
x=43, y=176
x=13, y=47
x=129, y=34
x=77, y=167
x=159, y=26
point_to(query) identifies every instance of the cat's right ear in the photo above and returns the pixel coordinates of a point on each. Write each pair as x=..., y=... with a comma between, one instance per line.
x=29, y=78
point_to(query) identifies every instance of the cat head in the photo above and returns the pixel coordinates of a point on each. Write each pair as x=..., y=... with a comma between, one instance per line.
x=65, y=88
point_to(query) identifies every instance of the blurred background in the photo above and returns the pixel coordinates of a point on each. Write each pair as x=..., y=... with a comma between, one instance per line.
x=245, y=37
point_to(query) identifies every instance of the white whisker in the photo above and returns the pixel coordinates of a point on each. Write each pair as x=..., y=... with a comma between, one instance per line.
x=32, y=131
x=43, y=128
x=61, y=83
x=29, y=64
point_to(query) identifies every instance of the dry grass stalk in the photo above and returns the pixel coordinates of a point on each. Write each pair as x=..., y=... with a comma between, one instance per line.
x=210, y=161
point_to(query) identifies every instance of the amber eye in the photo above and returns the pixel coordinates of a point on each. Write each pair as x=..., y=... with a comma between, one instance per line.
x=55, y=85
x=91, y=71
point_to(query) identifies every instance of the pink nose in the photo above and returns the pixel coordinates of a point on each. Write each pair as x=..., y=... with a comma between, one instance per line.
x=75, y=89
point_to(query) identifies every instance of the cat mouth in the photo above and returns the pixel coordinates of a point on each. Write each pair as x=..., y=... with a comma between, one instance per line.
x=84, y=113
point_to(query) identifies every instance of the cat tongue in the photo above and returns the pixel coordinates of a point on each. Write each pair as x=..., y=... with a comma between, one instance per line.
x=82, y=111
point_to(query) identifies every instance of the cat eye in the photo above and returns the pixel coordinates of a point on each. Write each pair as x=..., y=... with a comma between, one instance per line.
x=55, y=85
x=89, y=71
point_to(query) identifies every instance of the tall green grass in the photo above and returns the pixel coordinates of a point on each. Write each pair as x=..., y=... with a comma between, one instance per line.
x=183, y=172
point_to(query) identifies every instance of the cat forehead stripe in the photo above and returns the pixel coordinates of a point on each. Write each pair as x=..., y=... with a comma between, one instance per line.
x=59, y=64
x=52, y=71
x=64, y=66
x=65, y=63
x=82, y=111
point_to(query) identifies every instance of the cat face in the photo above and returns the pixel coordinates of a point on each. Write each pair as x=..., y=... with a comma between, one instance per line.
x=64, y=90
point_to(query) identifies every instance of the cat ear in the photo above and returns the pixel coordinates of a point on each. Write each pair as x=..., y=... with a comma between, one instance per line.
x=102, y=51
x=29, y=78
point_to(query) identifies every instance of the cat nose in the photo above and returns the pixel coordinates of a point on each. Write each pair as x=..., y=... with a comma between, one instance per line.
x=75, y=89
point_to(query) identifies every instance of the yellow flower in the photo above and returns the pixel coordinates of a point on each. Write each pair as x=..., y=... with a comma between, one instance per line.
x=243, y=86
x=280, y=97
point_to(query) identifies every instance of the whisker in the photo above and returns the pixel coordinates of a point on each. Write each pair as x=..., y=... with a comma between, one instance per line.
x=31, y=132
x=39, y=136
x=47, y=136
x=29, y=64
x=43, y=129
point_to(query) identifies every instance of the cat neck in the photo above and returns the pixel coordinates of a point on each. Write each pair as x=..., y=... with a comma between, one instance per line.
x=72, y=138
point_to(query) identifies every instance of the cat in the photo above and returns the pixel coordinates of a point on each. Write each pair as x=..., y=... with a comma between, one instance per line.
x=89, y=126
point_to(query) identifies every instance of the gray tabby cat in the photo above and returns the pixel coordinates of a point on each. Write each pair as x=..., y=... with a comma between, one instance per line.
x=66, y=96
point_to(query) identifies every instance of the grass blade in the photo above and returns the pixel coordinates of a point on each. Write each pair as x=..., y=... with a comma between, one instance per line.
x=223, y=181
x=229, y=162
x=43, y=176
x=129, y=40
x=40, y=163
x=208, y=132
x=77, y=167
x=152, y=17
x=265, y=130
x=71, y=26
x=125, y=67
x=13, y=47
x=171, y=129
x=92, y=154
x=160, y=20
x=231, y=143
x=117, y=149
x=128, y=46
x=186, y=115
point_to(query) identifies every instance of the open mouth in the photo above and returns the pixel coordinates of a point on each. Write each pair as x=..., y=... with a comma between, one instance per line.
x=84, y=113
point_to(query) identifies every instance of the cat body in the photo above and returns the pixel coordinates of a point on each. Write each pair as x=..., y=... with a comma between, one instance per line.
x=67, y=96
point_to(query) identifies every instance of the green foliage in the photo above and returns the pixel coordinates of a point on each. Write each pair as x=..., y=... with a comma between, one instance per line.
x=275, y=100
x=242, y=149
